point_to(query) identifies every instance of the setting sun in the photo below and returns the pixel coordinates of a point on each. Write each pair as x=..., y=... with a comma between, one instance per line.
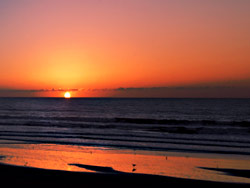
x=125, y=92
x=67, y=95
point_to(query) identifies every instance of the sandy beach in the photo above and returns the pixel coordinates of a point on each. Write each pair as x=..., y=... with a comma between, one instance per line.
x=35, y=177
x=42, y=165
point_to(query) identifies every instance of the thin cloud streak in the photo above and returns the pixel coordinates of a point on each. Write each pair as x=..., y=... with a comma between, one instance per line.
x=38, y=90
x=238, y=88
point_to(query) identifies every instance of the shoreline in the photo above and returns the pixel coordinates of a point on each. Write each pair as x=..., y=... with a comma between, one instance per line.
x=84, y=159
x=127, y=147
x=35, y=177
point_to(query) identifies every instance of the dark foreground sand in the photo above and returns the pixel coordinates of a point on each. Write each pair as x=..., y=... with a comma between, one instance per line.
x=15, y=176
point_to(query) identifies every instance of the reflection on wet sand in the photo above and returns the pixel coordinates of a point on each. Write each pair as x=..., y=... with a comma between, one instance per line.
x=103, y=160
x=232, y=172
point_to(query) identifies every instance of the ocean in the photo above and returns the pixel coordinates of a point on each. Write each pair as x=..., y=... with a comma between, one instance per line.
x=219, y=126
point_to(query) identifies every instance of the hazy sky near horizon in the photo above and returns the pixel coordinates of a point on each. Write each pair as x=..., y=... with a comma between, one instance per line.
x=104, y=45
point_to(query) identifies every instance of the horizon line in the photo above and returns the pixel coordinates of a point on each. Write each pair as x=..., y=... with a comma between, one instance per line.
x=130, y=97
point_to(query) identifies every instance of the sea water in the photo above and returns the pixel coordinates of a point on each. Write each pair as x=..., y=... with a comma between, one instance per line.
x=219, y=126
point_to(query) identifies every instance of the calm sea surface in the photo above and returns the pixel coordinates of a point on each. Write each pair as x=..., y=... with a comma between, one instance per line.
x=189, y=125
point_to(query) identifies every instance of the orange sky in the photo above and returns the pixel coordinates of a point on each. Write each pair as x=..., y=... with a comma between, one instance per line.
x=105, y=45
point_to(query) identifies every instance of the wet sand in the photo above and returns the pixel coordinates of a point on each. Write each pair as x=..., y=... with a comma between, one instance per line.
x=232, y=172
x=35, y=177
x=42, y=165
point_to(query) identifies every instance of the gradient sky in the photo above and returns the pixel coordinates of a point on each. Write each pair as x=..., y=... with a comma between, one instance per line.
x=135, y=48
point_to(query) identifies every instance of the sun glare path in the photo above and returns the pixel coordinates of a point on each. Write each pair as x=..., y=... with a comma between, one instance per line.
x=67, y=95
